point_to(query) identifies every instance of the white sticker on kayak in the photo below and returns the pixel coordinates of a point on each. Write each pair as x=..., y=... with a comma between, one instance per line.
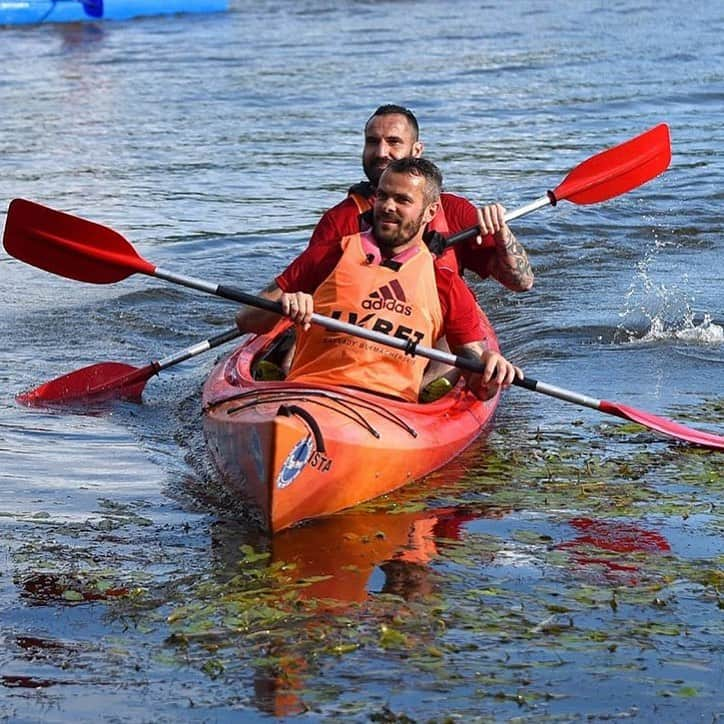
x=295, y=462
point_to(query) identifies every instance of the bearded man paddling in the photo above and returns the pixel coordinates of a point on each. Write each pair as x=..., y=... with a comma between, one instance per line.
x=385, y=279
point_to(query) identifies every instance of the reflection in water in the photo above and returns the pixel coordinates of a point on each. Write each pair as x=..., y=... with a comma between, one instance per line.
x=335, y=560
x=611, y=547
x=76, y=36
x=337, y=556
x=341, y=553
x=43, y=588
x=373, y=567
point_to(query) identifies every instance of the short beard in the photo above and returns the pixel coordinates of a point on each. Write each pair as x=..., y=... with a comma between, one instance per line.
x=402, y=236
x=373, y=173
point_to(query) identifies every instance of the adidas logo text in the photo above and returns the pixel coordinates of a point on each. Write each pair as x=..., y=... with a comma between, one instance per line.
x=390, y=297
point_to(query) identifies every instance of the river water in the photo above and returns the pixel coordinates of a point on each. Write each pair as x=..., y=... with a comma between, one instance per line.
x=566, y=566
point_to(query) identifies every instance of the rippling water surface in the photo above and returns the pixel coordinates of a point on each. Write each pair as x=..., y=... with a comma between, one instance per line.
x=564, y=567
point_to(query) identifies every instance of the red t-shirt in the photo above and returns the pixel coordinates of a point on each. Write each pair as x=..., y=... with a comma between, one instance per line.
x=344, y=220
x=461, y=318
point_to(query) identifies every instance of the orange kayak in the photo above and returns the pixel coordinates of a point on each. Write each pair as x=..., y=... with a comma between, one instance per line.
x=292, y=452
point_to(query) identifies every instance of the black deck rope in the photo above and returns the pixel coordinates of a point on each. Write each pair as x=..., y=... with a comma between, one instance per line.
x=342, y=407
x=349, y=410
x=312, y=424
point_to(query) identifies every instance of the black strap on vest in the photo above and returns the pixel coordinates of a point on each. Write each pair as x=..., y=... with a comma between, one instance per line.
x=391, y=264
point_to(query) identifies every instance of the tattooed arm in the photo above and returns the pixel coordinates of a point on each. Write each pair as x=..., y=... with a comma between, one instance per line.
x=510, y=265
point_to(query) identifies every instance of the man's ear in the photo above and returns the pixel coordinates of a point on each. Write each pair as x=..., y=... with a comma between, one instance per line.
x=417, y=148
x=430, y=211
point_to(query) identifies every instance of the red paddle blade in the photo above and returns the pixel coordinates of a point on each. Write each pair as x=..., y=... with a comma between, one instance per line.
x=619, y=169
x=68, y=245
x=102, y=381
x=662, y=425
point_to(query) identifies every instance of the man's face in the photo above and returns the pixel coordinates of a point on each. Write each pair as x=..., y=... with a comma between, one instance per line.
x=400, y=211
x=387, y=138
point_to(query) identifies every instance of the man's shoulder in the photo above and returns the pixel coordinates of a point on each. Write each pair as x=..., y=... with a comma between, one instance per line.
x=454, y=201
x=348, y=204
x=344, y=205
x=338, y=221
x=363, y=188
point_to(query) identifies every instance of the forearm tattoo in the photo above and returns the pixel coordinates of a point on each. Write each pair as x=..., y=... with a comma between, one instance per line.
x=512, y=267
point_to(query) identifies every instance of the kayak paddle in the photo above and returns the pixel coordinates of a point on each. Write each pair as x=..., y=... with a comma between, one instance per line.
x=110, y=380
x=84, y=250
x=607, y=174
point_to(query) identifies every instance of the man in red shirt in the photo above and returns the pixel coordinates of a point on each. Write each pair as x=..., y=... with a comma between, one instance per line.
x=384, y=278
x=392, y=132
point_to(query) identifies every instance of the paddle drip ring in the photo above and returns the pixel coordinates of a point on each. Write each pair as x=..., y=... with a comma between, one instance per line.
x=410, y=347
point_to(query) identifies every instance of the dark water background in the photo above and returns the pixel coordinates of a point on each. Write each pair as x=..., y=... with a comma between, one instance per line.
x=576, y=568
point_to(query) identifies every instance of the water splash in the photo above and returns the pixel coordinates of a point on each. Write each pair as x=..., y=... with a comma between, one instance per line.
x=705, y=333
x=656, y=311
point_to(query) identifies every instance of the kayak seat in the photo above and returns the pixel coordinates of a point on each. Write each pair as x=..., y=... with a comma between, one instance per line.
x=267, y=371
x=435, y=389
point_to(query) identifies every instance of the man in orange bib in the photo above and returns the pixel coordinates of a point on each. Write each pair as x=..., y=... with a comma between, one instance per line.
x=386, y=279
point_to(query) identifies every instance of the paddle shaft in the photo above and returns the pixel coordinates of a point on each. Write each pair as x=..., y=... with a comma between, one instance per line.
x=473, y=231
x=245, y=298
x=336, y=325
x=237, y=295
x=196, y=349
x=653, y=422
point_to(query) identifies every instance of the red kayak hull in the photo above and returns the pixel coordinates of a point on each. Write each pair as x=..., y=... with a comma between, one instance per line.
x=294, y=452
